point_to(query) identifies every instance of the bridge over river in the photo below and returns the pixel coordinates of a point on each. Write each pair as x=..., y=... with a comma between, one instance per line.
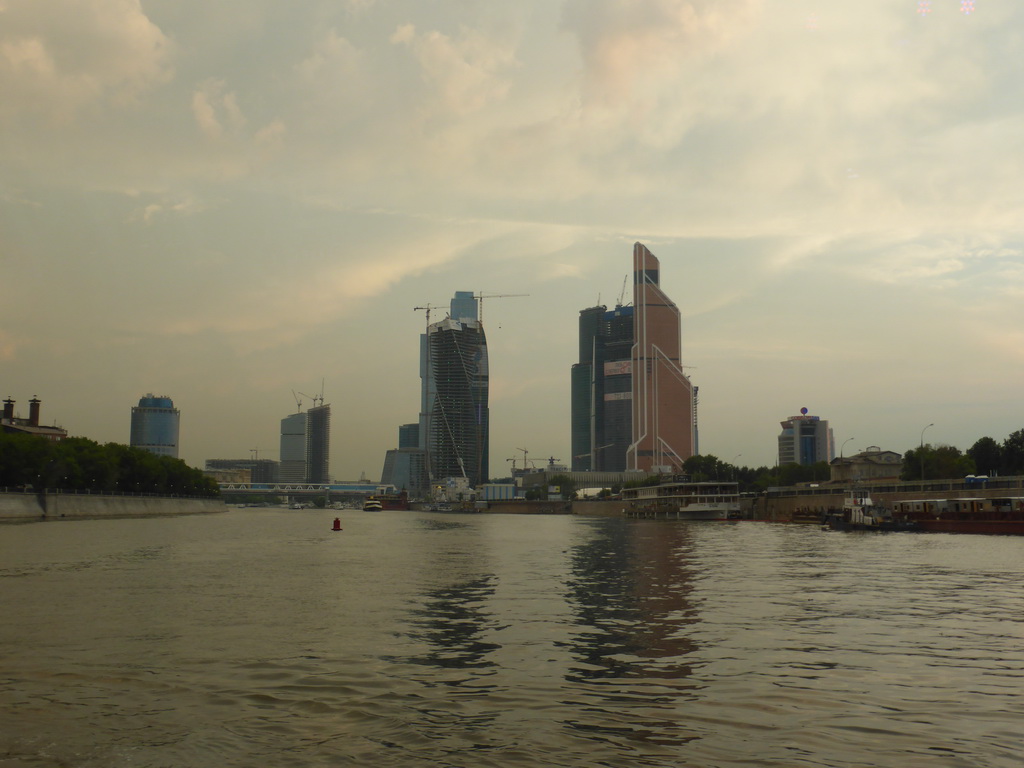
x=304, y=490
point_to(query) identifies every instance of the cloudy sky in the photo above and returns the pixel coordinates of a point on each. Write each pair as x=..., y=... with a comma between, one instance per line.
x=225, y=202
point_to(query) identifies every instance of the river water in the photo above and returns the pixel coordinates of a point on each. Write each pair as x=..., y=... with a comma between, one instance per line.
x=262, y=638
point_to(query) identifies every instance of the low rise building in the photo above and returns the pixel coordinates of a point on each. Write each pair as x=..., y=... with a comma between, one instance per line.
x=870, y=464
x=30, y=426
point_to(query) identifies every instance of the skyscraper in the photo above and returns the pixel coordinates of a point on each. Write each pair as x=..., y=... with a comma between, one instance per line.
x=306, y=446
x=454, y=416
x=155, y=425
x=664, y=407
x=805, y=440
x=404, y=467
x=318, y=444
x=601, y=408
x=293, y=449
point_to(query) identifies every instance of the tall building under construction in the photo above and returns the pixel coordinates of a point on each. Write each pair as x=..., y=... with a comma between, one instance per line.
x=664, y=400
x=318, y=444
x=454, y=415
x=306, y=446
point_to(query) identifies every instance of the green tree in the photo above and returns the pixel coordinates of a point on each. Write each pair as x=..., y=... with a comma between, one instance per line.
x=987, y=456
x=937, y=462
x=1012, y=454
x=77, y=463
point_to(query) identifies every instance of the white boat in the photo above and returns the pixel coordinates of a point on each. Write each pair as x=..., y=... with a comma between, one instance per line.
x=684, y=500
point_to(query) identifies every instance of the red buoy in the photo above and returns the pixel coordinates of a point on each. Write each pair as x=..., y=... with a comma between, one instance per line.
x=337, y=524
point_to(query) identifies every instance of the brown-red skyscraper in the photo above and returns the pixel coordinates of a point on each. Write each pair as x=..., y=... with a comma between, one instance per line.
x=664, y=423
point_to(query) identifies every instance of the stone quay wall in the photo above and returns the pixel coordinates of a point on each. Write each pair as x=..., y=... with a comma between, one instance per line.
x=26, y=507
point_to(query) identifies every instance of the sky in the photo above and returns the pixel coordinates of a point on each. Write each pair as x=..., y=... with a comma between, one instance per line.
x=229, y=202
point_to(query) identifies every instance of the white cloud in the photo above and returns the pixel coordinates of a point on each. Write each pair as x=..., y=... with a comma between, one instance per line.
x=77, y=53
x=217, y=112
x=627, y=45
x=467, y=72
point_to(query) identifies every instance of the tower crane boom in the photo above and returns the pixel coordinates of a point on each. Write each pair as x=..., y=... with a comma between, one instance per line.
x=481, y=296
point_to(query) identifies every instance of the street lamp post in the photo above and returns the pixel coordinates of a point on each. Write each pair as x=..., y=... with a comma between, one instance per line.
x=841, y=448
x=920, y=450
x=844, y=446
x=733, y=462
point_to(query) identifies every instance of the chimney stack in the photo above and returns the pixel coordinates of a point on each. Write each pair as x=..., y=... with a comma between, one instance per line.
x=33, y=412
x=8, y=408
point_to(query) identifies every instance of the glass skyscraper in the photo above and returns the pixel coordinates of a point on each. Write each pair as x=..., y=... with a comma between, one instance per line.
x=664, y=399
x=306, y=446
x=318, y=444
x=155, y=425
x=601, y=409
x=454, y=416
x=293, y=449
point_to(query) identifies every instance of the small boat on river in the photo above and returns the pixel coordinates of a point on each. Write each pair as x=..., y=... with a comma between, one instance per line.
x=381, y=501
x=860, y=513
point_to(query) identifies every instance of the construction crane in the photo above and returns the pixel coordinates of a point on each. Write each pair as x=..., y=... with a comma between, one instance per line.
x=427, y=308
x=315, y=398
x=480, y=298
x=622, y=295
x=525, y=452
x=298, y=402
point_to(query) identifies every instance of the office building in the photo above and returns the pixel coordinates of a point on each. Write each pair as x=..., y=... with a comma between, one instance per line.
x=664, y=409
x=805, y=439
x=601, y=408
x=409, y=436
x=306, y=446
x=293, y=449
x=318, y=444
x=454, y=414
x=155, y=424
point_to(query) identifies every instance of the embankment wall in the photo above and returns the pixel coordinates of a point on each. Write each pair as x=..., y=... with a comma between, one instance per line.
x=25, y=507
x=530, y=507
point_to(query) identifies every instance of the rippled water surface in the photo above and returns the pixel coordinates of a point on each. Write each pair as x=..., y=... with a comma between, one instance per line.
x=262, y=638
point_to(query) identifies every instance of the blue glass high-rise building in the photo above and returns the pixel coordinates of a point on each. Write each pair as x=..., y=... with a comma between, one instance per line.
x=155, y=426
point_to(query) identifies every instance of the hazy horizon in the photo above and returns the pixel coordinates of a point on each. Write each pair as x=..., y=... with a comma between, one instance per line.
x=225, y=203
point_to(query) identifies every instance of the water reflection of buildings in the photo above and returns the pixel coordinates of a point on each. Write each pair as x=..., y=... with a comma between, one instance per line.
x=631, y=593
x=451, y=624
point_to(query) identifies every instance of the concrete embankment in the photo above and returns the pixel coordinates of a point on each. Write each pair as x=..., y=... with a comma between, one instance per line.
x=530, y=507
x=602, y=508
x=25, y=507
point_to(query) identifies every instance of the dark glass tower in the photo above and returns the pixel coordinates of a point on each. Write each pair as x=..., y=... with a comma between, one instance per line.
x=318, y=444
x=601, y=409
x=455, y=418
